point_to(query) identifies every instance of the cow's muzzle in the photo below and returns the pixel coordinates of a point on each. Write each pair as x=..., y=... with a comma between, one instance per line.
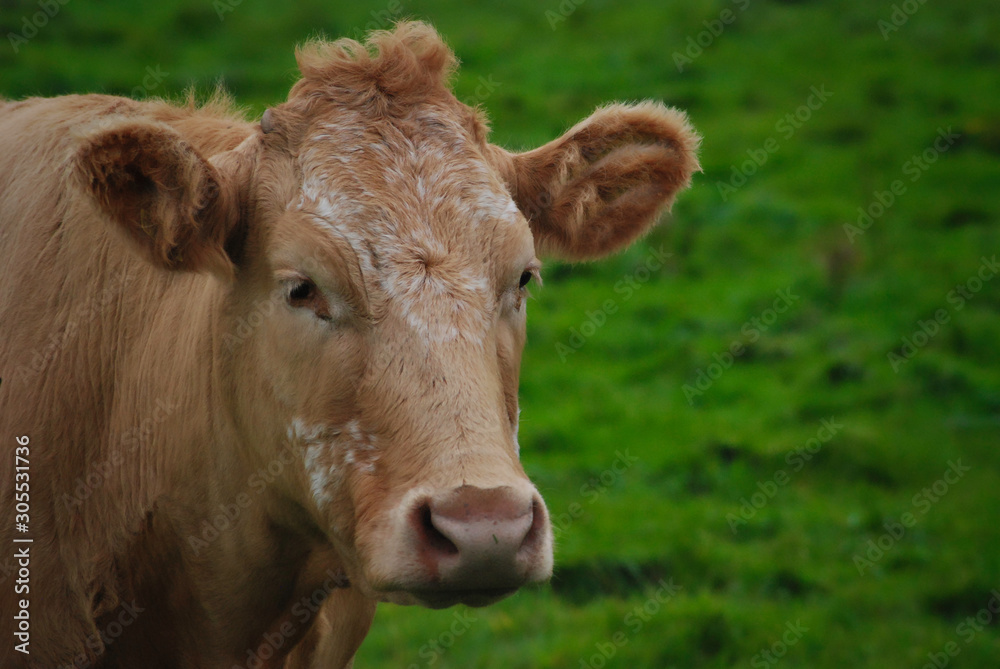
x=475, y=545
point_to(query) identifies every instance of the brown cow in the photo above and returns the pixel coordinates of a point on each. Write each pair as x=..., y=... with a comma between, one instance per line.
x=267, y=372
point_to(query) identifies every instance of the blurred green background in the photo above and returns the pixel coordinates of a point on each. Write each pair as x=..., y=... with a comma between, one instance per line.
x=826, y=497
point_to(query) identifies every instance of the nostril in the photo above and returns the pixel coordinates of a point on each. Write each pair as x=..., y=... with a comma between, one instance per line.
x=533, y=536
x=431, y=536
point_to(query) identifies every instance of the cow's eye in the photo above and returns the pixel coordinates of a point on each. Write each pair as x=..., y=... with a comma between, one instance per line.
x=525, y=279
x=303, y=293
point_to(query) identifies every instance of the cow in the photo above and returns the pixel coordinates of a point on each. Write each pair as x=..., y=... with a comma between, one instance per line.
x=262, y=375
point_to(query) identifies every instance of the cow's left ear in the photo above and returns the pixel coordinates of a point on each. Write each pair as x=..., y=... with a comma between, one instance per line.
x=603, y=184
x=178, y=209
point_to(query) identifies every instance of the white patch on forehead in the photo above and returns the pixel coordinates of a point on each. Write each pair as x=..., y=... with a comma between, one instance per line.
x=491, y=206
x=388, y=199
x=439, y=307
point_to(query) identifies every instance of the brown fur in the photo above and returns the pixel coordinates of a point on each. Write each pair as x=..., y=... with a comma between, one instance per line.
x=190, y=301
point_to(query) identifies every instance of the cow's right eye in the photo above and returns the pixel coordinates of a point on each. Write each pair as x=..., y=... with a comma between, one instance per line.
x=303, y=294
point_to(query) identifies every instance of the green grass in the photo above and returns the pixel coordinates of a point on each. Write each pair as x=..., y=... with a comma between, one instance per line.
x=665, y=516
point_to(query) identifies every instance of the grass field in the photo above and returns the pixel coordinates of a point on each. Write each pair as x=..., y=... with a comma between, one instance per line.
x=770, y=434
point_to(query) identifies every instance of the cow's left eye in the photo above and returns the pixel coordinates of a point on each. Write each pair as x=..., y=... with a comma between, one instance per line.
x=525, y=279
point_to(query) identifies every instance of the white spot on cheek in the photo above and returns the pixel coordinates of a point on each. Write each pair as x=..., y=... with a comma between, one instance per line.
x=360, y=451
x=328, y=450
x=319, y=476
x=318, y=458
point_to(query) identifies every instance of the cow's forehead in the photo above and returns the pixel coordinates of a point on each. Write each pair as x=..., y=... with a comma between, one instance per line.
x=419, y=168
x=421, y=208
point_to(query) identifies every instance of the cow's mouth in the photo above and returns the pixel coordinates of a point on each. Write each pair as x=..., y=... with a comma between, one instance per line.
x=475, y=598
x=442, y=599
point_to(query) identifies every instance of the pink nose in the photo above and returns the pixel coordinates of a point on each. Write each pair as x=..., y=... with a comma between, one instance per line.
x=482, y=540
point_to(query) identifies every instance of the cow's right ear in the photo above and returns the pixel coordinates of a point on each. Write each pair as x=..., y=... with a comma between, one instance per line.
x=178, y=209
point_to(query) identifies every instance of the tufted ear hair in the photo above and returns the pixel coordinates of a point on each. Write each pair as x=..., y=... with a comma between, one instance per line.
x=175, y=207
x=603, y=184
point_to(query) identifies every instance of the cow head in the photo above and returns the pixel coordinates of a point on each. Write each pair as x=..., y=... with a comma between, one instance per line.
x=386, y=249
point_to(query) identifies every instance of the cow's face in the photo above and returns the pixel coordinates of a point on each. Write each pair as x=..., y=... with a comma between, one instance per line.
x=404, y=264
x=385, y=250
